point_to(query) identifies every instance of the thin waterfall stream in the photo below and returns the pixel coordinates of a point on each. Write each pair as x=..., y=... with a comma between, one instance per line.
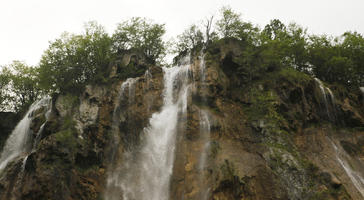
x=205, y=129
x=355, y=177
x=328, y=104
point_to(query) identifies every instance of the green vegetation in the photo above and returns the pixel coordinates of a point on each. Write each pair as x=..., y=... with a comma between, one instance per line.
x=4, y=89
x=336, y=60
x=264, y=107
x=140, y=34
x=19, y=86
x=75, y=60
x=189, y=39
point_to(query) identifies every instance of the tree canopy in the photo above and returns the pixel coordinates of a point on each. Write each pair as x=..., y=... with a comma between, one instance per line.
x=19, y=86
x=75, y=60
x=141, y=34
x=72, y=61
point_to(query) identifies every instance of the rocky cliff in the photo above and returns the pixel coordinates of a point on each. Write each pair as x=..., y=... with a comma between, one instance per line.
x=280, y=135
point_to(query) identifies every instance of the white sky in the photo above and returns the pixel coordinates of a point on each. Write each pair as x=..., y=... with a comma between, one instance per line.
x=26, y=26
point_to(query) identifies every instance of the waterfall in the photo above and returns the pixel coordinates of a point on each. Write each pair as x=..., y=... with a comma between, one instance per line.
x=205, y=127
x=205, y=135
x=129, y=85
x=355, y=177
x=20, y=141
x=326, y=102
x=144, y=173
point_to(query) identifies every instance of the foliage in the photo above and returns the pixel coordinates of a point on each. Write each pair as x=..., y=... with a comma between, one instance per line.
x=294, y=76
x=140, y=34
x=72, y=61
x=20, y=86
x=189, y=39
x=278, y=46
x=338, y=59
x=75, y=60
x=264, y=106
x=4, y=89
x=230, y=25
x=283, y=46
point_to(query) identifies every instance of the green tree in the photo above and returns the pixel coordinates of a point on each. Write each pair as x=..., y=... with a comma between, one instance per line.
x=275, y=29
x=22, y=87
x=340, y=69
x=298, y=44
x=189, y=39
x=230, y=23
x=320, y=50
x=72, y=61
x=284, y=46
x=142, y=35
x=4, y=89
x=352, y=47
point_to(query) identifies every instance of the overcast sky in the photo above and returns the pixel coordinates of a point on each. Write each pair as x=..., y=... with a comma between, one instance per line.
x=26, y=26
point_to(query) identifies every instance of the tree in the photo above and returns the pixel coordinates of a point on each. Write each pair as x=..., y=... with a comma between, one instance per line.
x=72, y=61
x=140, y=34
x=230, y=23
x=25, y=85
x=298, y=44
x=275, y=29
x=189, y=39
x=285, y=46
x=4, y=89
x=210, y=35
x=353, y=47
x=20, y=87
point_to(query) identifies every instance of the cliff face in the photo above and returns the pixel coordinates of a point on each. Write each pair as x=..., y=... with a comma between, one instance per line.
x=282, y=136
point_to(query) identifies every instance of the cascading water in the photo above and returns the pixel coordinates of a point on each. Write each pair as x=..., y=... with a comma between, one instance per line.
x=205, y=128
x=129, y=85
x=20, y=141
x=145, y=173
x=204, y=132
x=326, y=102
x=355, y=177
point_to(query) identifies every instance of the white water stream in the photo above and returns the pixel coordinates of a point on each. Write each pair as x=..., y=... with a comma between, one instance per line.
x=326, y=101
x=205, y=129
x=355, y=177
x=145, y=174
x=20, y=141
